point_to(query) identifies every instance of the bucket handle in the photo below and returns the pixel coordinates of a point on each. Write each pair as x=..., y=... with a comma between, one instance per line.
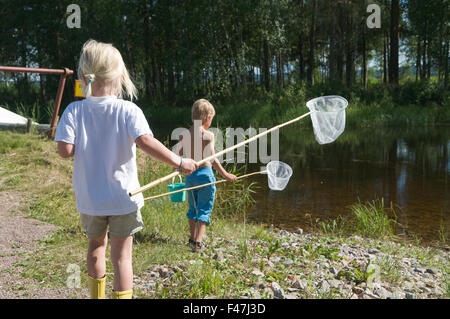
x=173, y=180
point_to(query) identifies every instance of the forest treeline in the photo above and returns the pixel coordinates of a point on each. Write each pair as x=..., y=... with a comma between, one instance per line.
x=178, y=50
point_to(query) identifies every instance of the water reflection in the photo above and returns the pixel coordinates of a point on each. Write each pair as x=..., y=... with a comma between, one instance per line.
x=408, y=167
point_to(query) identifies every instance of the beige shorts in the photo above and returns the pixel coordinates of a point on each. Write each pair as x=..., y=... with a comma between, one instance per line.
x=119, y=225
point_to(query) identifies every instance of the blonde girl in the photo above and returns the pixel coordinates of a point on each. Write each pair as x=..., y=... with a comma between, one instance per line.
x=101, y=133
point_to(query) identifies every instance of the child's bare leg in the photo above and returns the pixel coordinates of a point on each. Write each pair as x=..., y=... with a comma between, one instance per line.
x=200, y=231
x=192, y=228
x=121, y=252
x=96, y=264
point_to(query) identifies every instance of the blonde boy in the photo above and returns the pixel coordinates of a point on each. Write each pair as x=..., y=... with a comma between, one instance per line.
x=199, y=145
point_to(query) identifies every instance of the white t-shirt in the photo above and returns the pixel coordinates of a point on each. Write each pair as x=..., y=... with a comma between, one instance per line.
x=104, y=130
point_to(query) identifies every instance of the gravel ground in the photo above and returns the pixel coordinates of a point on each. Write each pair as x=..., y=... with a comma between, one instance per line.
x=19, y=237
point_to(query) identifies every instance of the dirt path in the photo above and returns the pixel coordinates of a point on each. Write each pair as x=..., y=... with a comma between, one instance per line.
x=19, y=237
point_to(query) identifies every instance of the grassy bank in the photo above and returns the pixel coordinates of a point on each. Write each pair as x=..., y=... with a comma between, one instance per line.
x=241, y=260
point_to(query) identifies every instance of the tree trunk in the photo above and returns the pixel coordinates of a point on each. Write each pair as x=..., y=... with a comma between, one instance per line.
x=161, y=81
x=266, y=66
x=349, y=50
x=418, y=59
x=301, y=59
x=332, y=54
x=147, y=50
x=364, y=63
x=394, y=30
x=170, y=83
x=280, y=73
x=340, y=45
x=312, y=43
x=385, y=57
x=429, y=61
x=446, y=65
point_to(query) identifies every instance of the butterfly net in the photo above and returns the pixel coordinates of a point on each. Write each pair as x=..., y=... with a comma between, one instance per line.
x=328, y=117
x=278, y=175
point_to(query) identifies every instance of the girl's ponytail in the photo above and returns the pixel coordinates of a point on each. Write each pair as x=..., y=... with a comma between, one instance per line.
x=102, y=62
x=87, y=90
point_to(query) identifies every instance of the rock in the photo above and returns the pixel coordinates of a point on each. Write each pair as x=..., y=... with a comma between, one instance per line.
x=255, y=294
x=357, y=238
x=257, y=272
x=335, y=283
x=398, y=295
x=288, y=262
x=150, y=284
x=163, y=272
x=324, y=286
x=219, y=256
x=260, y=285
x=436, y=291
x=408, y=286
x=299, y=231
x=418, y=270
x=309, y=236
x=428, y=275
x=301, y=284
x=358, y=290
x=382, y=293
x=284, y=233
x=369, y=295
x=334, y=271
x=275, y=259
x=373, y=251
x=431, y=271
x=425, y=289
x=430, y=284
x=291, y=296
x=278, y=292
x=406, y=261
x=409, y=295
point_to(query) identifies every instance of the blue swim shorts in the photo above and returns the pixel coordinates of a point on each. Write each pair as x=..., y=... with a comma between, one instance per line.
x=201, y=200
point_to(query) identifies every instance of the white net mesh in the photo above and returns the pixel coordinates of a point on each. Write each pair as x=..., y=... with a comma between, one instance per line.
x=278, y=175
x=328, y=117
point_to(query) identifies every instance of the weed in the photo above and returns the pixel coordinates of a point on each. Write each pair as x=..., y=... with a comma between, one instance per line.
x=371, y=219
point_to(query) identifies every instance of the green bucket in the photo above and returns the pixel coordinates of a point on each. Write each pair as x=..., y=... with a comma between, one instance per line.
x=178, y=197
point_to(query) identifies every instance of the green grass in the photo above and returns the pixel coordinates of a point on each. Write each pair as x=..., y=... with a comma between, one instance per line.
x=372, y=219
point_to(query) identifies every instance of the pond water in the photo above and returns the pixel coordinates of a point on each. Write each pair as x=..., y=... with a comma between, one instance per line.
x=408, y=167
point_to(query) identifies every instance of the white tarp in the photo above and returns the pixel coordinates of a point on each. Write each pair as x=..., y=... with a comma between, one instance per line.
x=11, y=118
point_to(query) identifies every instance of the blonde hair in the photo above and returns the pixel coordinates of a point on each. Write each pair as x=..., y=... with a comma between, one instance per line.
x=201, y=109
x=103, y=62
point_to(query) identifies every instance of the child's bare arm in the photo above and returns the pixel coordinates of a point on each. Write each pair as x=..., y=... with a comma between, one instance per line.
x=65, y=150
x=158, y=151
x=216, y=164
x=228, y=176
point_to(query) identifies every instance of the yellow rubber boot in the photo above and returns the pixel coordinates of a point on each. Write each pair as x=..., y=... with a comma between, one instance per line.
x=128, y=294
x=97, y=287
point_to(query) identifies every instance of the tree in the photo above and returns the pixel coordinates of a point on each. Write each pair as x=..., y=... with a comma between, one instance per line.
x=394, y=42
